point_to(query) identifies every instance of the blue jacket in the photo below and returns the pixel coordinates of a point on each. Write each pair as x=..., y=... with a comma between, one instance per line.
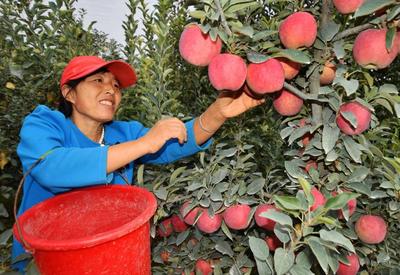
x=77, y=161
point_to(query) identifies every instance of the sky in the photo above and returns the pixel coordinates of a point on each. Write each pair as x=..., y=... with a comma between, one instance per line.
x=108, y=14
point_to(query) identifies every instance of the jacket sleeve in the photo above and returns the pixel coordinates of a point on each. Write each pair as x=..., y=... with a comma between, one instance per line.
x=172, y=150
x=63, y=167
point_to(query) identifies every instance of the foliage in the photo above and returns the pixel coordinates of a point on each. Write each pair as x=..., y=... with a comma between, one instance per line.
x=256, y=158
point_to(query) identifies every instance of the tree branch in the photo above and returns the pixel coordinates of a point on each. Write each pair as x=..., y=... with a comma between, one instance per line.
x=223, y=19
x=357, y=29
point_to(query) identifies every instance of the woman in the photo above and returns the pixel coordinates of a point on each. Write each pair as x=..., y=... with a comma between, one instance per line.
x=82, y=144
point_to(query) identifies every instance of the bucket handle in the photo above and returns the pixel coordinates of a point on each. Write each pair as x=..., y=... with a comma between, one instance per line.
x=27, y=247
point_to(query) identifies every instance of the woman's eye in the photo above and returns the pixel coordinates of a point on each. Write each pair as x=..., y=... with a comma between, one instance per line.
x=116, y=85
x=98, y=80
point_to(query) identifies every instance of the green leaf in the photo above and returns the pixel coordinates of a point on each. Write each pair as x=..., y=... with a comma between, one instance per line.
x=263, y=35
x=306, y=186
x=328, y=31
x=336, y=237
x=255, y=186
x=339, y=201
x=245, y=30
x=320, y=252
x=352, y=148
x=298, y=132
x=224, y=248
x=298, y=269
x=283, y=260
x=256, y=58
x=182, y=237
x=338, y=48
x=226, y=230
x=198, y=14
x=390, y=37
x=237, y=6
x=294, y=55
x=371, y=6
x=330, y=136
x=219, y=175
x=350, y=86
x=388, y=88
x=263, y=268
x=278, y=217
x=350, y=117
x=294, y=170
x=175, y=174
x=161, y=193
x=289, y=202
x=5, y=237
x=259, y=248
x=359, y=174
x=393, y=13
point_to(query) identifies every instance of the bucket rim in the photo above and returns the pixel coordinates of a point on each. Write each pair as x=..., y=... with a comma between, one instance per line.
x=36, y=243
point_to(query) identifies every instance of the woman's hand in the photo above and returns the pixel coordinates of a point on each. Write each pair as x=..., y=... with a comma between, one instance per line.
x=231, y=104
x=164, y=130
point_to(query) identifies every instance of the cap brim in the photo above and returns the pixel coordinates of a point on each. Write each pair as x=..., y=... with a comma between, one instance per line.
x=122, y=71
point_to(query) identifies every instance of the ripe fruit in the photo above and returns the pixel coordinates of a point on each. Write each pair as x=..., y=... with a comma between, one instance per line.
x=360, y=112
x=290, y=68
x=370, y=52
x=328, y=74
x=350, y=269
x=196, y=47
x=311, y=164
x=178, y=224
x=207, y=223
x=347, y=6
x=264, y=222
x=203, y=267
x=371, y=229
x=287, y=104
x=191, y=216
x=298, y=30
x=308, y=136
x=273, y=242
x=319, y=199
x=351, y=205
x=265, y=77
x=227, y=72
x=236, y=216
x=165, y=228
x=164, y=256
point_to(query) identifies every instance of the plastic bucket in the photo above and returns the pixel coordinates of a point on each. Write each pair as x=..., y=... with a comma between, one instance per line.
x=96, y=230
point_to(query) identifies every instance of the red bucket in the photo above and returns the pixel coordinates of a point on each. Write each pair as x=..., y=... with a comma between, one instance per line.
x=96, y=230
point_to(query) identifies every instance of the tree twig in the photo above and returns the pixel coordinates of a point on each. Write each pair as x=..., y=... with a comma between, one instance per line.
x=223, y=19
x=357, y=29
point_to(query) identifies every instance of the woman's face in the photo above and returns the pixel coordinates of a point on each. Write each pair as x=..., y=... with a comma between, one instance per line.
x=96, y=98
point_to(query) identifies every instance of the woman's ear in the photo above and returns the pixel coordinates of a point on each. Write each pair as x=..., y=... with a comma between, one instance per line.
x=65, y=90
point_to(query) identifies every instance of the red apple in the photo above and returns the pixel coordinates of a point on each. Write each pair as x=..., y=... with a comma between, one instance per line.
x=298, y=30
x=266, y=77
x=207, y=223
x=290, y=68
x=264, y=222
x=319, y=199
x=287, y=103
x=350, y=269
x=236, y=216
x=371, y=229
x=273, y=242
x=189, y=217
x=360, y=112
x=178, y=223
x=369, y=50
x=203, y=267
x=347, y=6
x=227, y=72
x=196, y=47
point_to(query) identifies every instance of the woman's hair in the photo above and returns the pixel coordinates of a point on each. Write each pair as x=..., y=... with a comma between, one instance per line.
x=64, y=106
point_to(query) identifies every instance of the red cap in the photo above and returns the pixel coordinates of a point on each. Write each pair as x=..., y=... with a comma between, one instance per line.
x=81, y=66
